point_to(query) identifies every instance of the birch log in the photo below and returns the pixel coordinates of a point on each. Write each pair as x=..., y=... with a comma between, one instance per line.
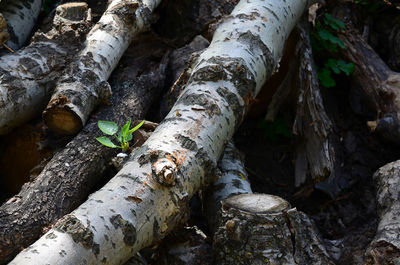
x=144, y=201
x=21, y=16
x=262, y=229
x=385, y=247
x=27, y=76
x=84, y=83
x=72, y=173
x=232, y=180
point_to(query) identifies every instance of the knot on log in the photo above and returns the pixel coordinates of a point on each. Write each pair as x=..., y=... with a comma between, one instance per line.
x=164, y=171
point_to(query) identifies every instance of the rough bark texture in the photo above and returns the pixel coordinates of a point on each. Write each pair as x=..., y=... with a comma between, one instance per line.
x=232, y=180
x=27, y=76
x=20, y=16
x=261, y=229
x=141, y=204
x=314, y=153
x=84, y=84
x=385, y=248
x=68, y=178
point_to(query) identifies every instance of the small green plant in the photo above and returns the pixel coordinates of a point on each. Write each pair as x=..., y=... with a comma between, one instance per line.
x=123, y=137
x=324, y=38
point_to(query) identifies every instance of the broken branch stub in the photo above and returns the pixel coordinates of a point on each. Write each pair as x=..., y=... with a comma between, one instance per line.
x=27, y=76
x=245, y=50
x=84, y=84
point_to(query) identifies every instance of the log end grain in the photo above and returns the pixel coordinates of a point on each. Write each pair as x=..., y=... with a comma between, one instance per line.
x=62, y=120
x=256, y=203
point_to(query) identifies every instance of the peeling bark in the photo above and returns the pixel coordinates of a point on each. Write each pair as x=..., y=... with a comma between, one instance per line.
x=385, y=247
x=72, y=173
x=314, y=154
x=244, y=52
x=21, y=16
x=262, y=229
x=84, y=84
x=27, y=76
x=232, y=180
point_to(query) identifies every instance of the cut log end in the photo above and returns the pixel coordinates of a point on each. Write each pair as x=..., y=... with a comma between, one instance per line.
x=62, y=121
x=256, y=203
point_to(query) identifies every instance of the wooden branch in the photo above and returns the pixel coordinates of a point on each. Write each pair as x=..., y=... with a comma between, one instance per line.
x=21, y=16
x=27, y=76
x=84, y=84
x=314, y=152
x=72, y=173
x=141, y=204
x=262, y=229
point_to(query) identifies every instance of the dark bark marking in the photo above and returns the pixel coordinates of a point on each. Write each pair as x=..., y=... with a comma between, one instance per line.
x=71, y=225
x=211, y=107
x=234, y=103
x=128, y=230
x=186, y=142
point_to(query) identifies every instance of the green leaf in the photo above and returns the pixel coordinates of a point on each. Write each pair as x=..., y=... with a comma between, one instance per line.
x=108, y=127
x=325, y=77
x=334, y=23
x=107, y=142
x=347, y=68
x=125, y=130
x=333, y=65
x=136, y=127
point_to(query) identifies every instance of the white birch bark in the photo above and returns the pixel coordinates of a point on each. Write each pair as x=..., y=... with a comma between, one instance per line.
x=27, y=76
x=232, y=180
x=84, y=84
x=21, y=16
x=139, y=207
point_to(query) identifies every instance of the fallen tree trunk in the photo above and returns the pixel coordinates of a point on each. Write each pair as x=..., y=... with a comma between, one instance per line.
x=262, y=229
x=84, y=84
x=72, y=173
x=144, y=201
x=21, y=16
x=27, y=76
x=385, y=247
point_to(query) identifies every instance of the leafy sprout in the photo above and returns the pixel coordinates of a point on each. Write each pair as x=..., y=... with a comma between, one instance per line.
x=123, y=137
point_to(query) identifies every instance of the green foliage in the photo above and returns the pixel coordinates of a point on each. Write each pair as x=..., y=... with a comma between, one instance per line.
x=370, y=6
x=275, y=130
x=335, y=66
x=123, y=137
x=324, y=38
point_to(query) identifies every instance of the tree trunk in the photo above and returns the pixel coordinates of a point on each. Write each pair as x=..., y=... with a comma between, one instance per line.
x=385, y=248
x=28, y=75
x=144, y=201
x=261, y=229
x=72, y=174
x=84, y=83
x=232, y=180
x=20, y=16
